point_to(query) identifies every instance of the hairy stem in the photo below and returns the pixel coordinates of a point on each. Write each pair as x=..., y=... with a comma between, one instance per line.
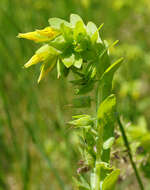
x=125, y=139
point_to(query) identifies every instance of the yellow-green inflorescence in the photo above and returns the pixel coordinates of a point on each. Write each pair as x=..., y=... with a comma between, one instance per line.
x=65, y=44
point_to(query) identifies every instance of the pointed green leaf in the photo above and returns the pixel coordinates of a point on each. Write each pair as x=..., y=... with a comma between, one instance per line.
x=91, y=28
x=69, y=61
x=108, y=143
x=78, y=63
x=85, y=120
x=67, y=32
x=107, y=77
x=110, y=181
x=108, y=74
x=74, y=18
x=46, y=48
x=107, y=109
x=79, y=31
x=79, y=116
x=106, y=119
x=81, y=185
x=56, y=22
x=96, y=37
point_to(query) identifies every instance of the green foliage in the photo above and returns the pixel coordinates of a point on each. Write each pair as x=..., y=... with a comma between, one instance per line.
x=110, y=180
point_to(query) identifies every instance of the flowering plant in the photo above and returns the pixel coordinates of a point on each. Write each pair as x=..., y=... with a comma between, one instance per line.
x=78, y=48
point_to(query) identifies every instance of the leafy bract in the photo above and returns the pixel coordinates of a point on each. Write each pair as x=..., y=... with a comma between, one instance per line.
x=82, y=120
x=79, y=31
x=81, y=184
x=107, y=77
x=56, y=23
x=110, y=181
x=96, y=37
x=108, y=74
x=106, y=110
x=106, y=119
x=74, y=18
x=91, y=28
x=69, y=61
x=67, y=33
x=78, y=63
x=108, y=143
x=93, y=32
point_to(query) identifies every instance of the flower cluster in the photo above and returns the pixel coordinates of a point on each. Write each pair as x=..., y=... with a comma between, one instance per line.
x=66, y=44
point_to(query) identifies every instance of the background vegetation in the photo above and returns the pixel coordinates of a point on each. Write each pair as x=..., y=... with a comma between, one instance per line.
x=38, y=150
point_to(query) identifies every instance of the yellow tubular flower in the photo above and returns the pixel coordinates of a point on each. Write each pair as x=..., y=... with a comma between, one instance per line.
x=46, y=54
x=34, y=60
x=41, y=55
x=47, y=67
x=43, y=35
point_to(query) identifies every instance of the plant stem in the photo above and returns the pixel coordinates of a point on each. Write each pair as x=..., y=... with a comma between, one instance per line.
x=125, y=139
x=98, y=156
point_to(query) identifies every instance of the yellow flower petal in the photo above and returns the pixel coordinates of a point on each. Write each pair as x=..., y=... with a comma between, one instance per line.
x=48, y=32
x=34, y=60
x=44, y=35
x=43, y=54
x=46, y=67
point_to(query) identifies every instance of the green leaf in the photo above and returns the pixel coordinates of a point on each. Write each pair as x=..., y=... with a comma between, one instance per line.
x=106, y=110
x=78, y=63
x=79, y=116
x=108, y=74
x=82, y=184
x=96, y=37
x=145, y=142
x=110, y=181
x=107, y=77
x=74, y=18
x=79, y=31
x=85, y=120
x=59, y=43
x=56, y=22
x=145, y=167
x=91, y=28
x=69, y=61
x=50, y=49
x=67, y=32
x=108, y=143
x=106, y=119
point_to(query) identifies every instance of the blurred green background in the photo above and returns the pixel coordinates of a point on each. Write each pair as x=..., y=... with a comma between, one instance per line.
x=38, y=150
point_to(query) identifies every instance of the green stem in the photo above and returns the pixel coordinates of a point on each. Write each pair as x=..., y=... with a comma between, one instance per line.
x=97, y=177
x=99, y=143
x=125, y=139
